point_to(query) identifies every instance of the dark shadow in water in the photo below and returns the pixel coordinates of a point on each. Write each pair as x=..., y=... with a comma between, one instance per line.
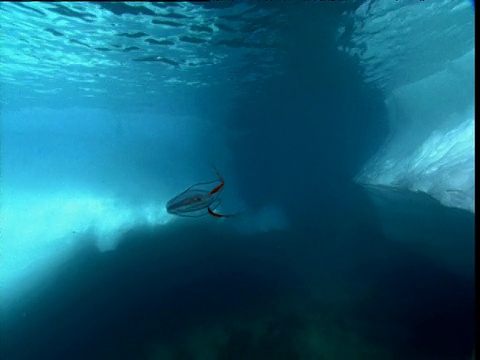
x=423, y=297
x=160, y=285
x=156, y=286
x=276, y=343
x=420, y=309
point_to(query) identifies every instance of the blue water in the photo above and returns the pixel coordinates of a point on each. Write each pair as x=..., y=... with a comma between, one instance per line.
x=109, y=110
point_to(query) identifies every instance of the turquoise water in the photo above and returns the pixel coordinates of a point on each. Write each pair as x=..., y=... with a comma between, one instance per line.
x=343, y=132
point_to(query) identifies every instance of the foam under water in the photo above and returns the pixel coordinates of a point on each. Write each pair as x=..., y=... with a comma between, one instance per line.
x=42, y=229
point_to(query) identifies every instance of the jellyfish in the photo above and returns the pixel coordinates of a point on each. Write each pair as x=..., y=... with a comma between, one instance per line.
x=199, y=199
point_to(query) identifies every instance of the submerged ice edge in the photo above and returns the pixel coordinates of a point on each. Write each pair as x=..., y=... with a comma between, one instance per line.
x=443, y=166
x=428, y=85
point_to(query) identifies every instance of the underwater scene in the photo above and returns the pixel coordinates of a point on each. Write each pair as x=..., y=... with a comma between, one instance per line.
x=237, y=180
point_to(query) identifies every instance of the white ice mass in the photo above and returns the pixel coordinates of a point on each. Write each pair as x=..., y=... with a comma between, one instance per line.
x=422, y=57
